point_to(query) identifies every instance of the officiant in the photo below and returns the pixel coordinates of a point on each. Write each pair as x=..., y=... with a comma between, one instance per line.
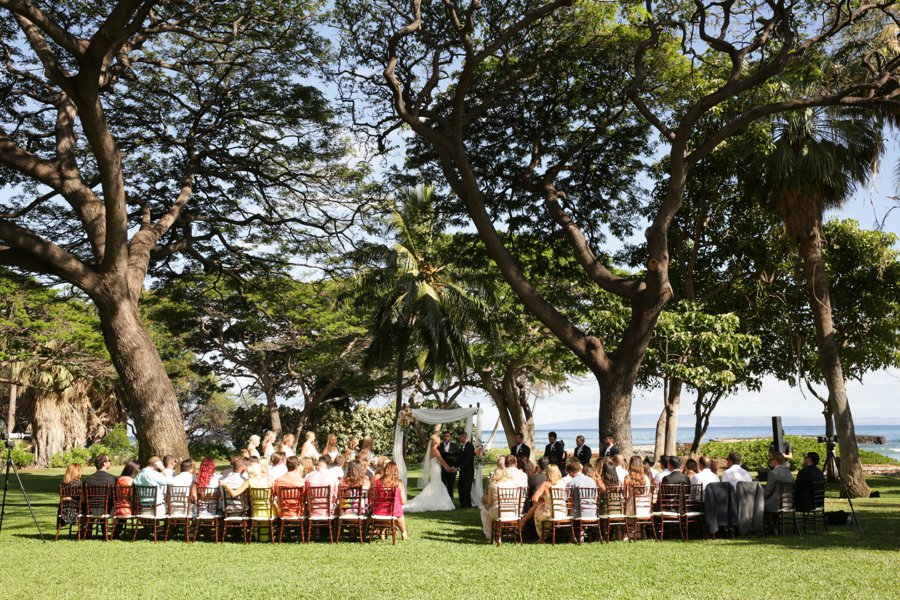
x=449, y=451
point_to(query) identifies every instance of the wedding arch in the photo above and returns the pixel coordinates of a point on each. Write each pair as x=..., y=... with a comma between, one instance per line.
x=433, y=416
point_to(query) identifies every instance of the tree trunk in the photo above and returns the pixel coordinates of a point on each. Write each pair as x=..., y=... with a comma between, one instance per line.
x=810, y=244
x=615, y=411
x=673, y=402
x=148, y=390
x=57, y=426
x=274, y=415
x=699, y=428
x=659, y=446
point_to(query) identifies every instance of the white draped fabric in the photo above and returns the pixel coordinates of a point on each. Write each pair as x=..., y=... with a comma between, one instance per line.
x=433, y=416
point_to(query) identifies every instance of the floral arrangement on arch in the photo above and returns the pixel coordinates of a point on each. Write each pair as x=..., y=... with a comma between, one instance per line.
x=406, y=418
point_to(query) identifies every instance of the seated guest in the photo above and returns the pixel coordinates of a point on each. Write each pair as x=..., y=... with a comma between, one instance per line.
x=102, y=476
x=185, y=477
x=355, y=476
x=152, y=475
x=337, y=467
x=257, y=479
x=648, y=466
x=691, y=468
x=804, y=497
x=389, y=479
x=610, y=475
x=321, y=477
x=779, y=473
x=676, y=476
x=589, y=471
x=293, y=477
x=67, y=514
x=621, y=467
x=490, y=505
x=735, y=473
x=236, y=477
x=636, y=476
x=514, y=473
x=307, y=466
x=579, y=481
x=664, y=469
x=169, y=465
x=122, y=506
x=277, y=466
x=706, y=475
x=206, y=475
x=540, y=475
x=542, y=500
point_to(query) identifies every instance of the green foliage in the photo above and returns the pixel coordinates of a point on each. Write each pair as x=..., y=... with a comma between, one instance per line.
x=20, y=456
x=254, y=420
x=201, y=449
x=117, y=445
x=755, y=453
x=81, y=456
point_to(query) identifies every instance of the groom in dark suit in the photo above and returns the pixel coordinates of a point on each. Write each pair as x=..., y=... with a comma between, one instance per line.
x=465, y=465
x=448, y=449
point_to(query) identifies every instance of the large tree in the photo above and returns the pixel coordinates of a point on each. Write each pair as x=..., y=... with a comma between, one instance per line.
x=135, y=132
x=534, y=111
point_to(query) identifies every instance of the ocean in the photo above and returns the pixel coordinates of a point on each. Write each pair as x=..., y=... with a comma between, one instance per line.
x=646, y=436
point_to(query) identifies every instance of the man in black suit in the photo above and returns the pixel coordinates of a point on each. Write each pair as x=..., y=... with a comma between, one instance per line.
x=519, y=449
x=610, y=448
x=582, y=452
x=465, y=465
x=102, y=476
x=804, y=497
x=676, y=476
x=555, y=451
x=448, y=449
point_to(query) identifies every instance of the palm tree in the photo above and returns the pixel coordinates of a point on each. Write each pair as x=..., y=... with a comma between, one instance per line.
x=818, y=158
x=425, y=306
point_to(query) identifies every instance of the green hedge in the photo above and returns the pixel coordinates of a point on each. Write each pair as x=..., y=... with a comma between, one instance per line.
x=755, y=453
x=20, y=456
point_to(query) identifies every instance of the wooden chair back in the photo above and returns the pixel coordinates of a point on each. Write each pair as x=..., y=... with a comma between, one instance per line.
x=235, y=506
x=786, y=496
x=145, y=497
x=70, y=499
x=670, y=498
x=640, y=501
x=123, y=501
x=96, y=500
x=351, y=500
x=319, y=501
x=819, y=495
x=560, y=503
x=292, y=502
x=178, y=501
x=615, y=502
x=509, y=503
x=206, y=505
x=381, y=500
x=261, y=503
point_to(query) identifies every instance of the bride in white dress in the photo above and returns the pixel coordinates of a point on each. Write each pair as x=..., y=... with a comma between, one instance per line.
x=434, y=496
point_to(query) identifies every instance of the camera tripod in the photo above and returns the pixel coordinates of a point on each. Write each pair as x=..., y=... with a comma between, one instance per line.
x=9, y=463
x=831, y=463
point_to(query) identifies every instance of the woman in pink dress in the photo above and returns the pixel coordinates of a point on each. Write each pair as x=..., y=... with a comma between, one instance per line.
x=390, y=478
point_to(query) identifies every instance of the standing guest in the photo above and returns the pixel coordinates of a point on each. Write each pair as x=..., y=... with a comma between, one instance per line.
x=185, y=477
x=67, y=513
x=390, y=478
x=168, y=462
x=807, y=476
x=268, y=444
x=609, y=448
x=337, y=468
x=102, y=476
x=253, y=446
x=448, y=449
x=122, y=506
x=779, y=473
x=287, y=445
x=664, y=469
x=331, y=448
x=635, y=477
x=309, y=450
x=465, y=466
x=579, y=481
x=520, y=448
x=582, y=452
x=540, y=475
x=514, y=473
x=350, y=451
x=735, y=473
x=621, y=470
x=555, y=451
x=153, y=476
x=707, y=474
x=364, y=456
x=277, y=466
x=675, y=477
x=369, y=444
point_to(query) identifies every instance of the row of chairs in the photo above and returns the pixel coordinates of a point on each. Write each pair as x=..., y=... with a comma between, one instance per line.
x=256, y=511
x=634, y=511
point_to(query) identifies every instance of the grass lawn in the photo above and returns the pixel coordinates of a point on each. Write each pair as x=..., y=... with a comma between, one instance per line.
x=447, y=557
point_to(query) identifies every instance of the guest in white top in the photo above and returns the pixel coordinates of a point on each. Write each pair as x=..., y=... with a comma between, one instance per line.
x=515, y=474
x=253, y=446
x=186, y=477
x=331, y=448
x=308, y=450
x=268, y=444
x=707, y=473
x=287, y=445
x=168, y=465
x=664, y=463
x=277, y=466
x=735, y=472
x=621, y=471
x=337, y=467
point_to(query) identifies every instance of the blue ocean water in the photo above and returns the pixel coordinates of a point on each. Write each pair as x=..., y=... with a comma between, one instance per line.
x=645, y=436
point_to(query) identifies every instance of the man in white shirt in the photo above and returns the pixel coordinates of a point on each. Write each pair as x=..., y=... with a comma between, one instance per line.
x=664, y=463
x=233, y=481
x=621, y=471
x=706, y=475
x=577, y=479
x=168, y=465
x=337, y=468
x=152, y=475
x=277, y=465
x=186, y=477
x=735, y=472
x=518, y=476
